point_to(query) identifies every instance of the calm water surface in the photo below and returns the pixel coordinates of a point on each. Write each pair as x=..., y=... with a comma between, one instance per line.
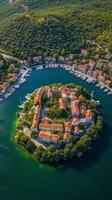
x=23, y=178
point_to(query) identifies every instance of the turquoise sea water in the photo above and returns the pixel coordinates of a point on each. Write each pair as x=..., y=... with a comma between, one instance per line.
x=23, y=178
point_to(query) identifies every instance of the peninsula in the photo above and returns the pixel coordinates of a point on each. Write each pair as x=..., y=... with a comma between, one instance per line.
x=58, y=122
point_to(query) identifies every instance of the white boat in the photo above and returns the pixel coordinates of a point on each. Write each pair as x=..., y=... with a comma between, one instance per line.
x=27, y=75
x=23, y=80
x=89, y=80
x=98, y=85
x=21, y=106
x=98, y=102
x=17, y=86
x=28, y=96
x=106, y=90
x=12, y=89
x=9, y=94
x=1, y=99
x=101, y=87
x=109, y=93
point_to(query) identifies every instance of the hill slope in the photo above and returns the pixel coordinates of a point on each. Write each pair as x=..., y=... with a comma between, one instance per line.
x=50, y=30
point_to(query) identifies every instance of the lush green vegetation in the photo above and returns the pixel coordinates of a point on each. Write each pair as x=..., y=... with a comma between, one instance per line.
x=64, y=151
x=59, y=26
x=6, y=68
x=57, y=113
x=76, y=146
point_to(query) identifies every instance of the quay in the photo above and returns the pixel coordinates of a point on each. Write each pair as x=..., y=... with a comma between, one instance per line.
x=26, y=72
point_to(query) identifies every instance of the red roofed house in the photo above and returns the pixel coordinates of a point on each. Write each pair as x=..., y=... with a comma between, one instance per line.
x=75, y=108
x=68, y=126
x=75, y=121
x=76, y=130
x=35, y=122
x=101, y=78
x=45, y=120
x=48, y=137
x=55, y=138
x=62, y=104
x=65, y=90
x=66, y=137
x=51, y=127
x=4, y=86
x=83, y=112
x=49, y=92
x=37, y=99
x=89, y=116
x=92, y=63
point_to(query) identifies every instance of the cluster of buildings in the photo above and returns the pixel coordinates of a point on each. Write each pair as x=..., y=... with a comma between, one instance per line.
x=98, y=66
x=97, y=63
x=3, y=87
x=96, y=69
x=80, y=116
x=12, y=77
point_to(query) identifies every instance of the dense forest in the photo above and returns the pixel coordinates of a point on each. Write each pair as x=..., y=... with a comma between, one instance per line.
x=52, y=27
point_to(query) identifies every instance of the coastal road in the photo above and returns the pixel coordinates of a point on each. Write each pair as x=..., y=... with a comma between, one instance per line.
x=7, y=56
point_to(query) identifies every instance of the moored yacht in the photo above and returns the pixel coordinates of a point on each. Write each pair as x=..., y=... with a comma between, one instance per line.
x=109, y=93
x=106, y=90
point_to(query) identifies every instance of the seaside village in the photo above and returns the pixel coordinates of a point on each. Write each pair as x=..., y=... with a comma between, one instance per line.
x=79, y=120
x=90, y=66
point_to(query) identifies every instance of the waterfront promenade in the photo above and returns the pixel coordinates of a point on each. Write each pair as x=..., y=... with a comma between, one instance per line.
x=27, y=72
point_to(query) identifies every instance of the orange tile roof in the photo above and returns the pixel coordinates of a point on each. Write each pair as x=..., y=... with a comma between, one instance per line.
x=3, y=85
x=49, y=135
x=66, y=136
x=76, y=98
x=81, y=96
x=45, y=134
x=89, y=114
x=68, y=126
x=62, y=103
x=75, y=107
x=65, y=89
x=49, y=90
x=35, y=121
x=38, y=96
x=13, y=79
x=45, y=120
x=51, y=127
x=55, y=137
x=75, y=119
x=83, y=111
x=37, y=99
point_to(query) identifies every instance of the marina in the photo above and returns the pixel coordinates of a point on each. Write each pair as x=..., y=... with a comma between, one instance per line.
x=26, y=73
x=55, y=100
x=95, y=164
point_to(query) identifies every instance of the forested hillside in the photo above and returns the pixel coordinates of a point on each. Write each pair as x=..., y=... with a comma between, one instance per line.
x=47, y=26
